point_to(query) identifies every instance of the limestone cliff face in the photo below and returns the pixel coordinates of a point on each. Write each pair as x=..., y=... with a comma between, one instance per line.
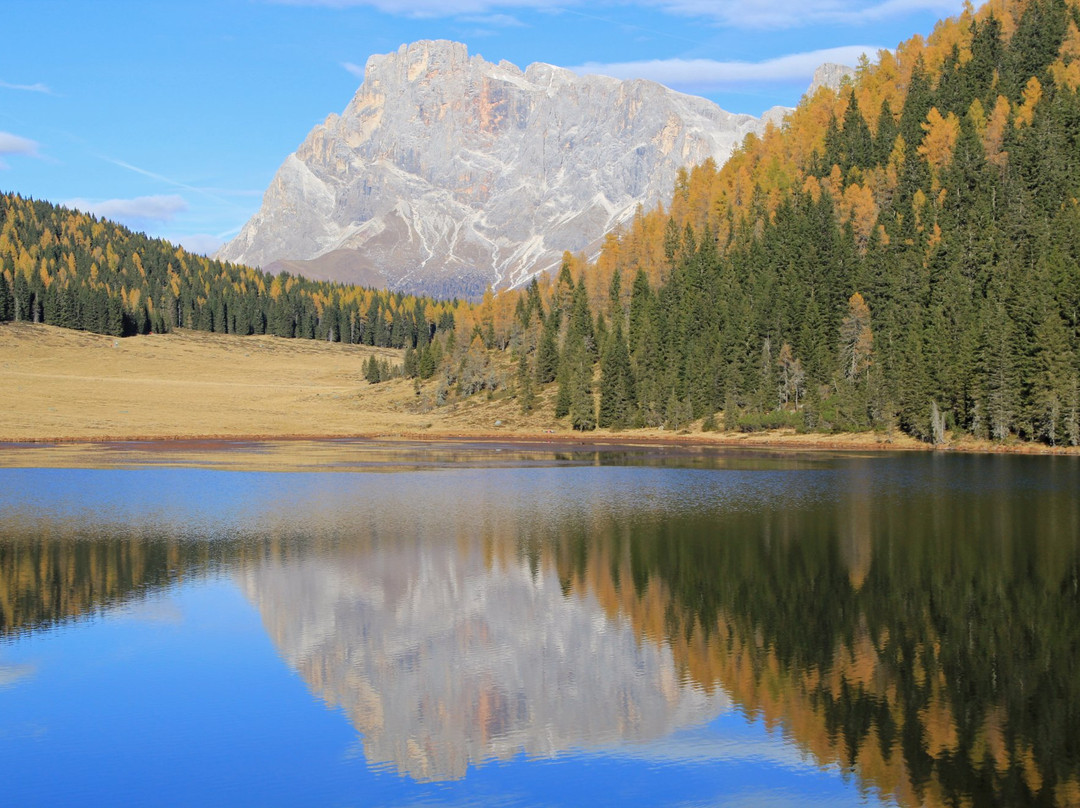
x=830, y=75
x=446, y=172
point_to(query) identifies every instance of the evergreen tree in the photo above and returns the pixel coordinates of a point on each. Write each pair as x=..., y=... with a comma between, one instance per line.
x=617, y=394
x=547, y=353
x=526, y=391
x=410, y=367
x=372, y=371
x=581, y=322
x=582, y=409
x=7, y=305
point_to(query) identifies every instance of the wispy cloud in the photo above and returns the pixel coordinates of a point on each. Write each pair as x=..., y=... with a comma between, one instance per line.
x=28, y=88
x=439, y=8
x=13, y=144
x=798, y=13
x=151, y=175
x=355, y=69
x=736, y=13
x=200, y=243
x=141, y=209
x=706, y=74
x=494, y=20
x=220, y=195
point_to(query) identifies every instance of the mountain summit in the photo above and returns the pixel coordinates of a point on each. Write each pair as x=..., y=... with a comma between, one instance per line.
x=447, y=173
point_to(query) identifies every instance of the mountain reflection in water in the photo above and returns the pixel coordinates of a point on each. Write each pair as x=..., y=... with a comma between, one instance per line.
x=442, y=660
x=912, y=620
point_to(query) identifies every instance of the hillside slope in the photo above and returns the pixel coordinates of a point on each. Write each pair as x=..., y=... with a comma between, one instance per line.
x=900, y=255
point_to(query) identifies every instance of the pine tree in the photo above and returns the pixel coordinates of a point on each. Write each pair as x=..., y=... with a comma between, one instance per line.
x=582, y=409
x=617, y=394
x=411, y=363
x=573, y=354
x=6, y=303
x=20, y=294
x=858, y=144
x=371, y=370
x=580, y=327
x=526, y=391
x=547, y=353
x=885, y=137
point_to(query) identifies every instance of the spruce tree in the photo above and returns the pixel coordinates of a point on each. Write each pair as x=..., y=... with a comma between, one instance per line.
x=582, y=409
x=371, y=370
x=616, y=383
x=547, y=353
x=526, y=391
x=6, y=303
x=411, y=363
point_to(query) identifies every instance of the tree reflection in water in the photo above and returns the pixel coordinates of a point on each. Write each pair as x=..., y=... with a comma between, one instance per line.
x=916, y=623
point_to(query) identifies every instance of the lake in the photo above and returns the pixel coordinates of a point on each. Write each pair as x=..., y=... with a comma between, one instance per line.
x=463, y=624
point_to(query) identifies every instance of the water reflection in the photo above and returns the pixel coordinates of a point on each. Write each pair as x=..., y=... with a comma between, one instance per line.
x=912, y=621
x=442, y=659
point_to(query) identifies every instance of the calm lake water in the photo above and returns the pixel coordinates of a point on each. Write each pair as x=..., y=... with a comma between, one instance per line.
x=445, y=625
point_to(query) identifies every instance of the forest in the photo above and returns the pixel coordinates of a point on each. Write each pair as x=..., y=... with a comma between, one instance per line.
x=73, y=270
x=903, y=254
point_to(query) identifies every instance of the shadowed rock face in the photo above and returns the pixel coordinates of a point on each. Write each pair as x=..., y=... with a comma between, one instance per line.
x=443, y=661
x=446, y=172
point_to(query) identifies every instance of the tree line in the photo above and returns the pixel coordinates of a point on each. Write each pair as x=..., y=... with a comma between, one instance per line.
x=73, y=270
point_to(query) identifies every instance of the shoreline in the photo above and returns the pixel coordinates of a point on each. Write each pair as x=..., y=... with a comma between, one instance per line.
x=783, y=440
x=187, y=390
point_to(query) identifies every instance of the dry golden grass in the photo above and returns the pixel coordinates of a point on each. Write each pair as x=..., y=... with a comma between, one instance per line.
x=62, y=385
x=58, y=384
x=68, y=385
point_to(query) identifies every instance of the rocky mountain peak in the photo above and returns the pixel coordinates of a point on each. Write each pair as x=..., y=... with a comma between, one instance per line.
x=417, y=61
x=830, y=75
x=446, y=172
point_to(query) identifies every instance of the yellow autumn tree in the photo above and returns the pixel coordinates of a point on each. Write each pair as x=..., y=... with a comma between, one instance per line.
x=856, y=338
x=940, y=139
x=994, y=137
x=1032, y=94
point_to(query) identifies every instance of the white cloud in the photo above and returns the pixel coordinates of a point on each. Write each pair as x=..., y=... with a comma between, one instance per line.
x=438, y=8
x=141, y=209
x=495, y=20
x=29, y=88
x=705, y=74
x=13, y=144
x=200, y=243
x=355, y=69
x=796, y=13
x=736, y=13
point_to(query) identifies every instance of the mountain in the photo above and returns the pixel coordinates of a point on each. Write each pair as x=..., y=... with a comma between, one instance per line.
x=830, y=75
x=447, y=173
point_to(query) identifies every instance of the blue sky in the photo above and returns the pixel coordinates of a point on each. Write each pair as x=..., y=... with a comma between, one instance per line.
x=172, y=117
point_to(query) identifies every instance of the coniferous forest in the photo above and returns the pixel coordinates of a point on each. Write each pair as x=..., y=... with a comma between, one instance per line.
x=73, y=270
x=903, y=254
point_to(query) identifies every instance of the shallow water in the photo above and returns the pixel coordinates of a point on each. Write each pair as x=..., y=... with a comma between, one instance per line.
x=500, y=625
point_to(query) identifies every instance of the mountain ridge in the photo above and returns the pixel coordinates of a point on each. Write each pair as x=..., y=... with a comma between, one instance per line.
x=448, y=172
